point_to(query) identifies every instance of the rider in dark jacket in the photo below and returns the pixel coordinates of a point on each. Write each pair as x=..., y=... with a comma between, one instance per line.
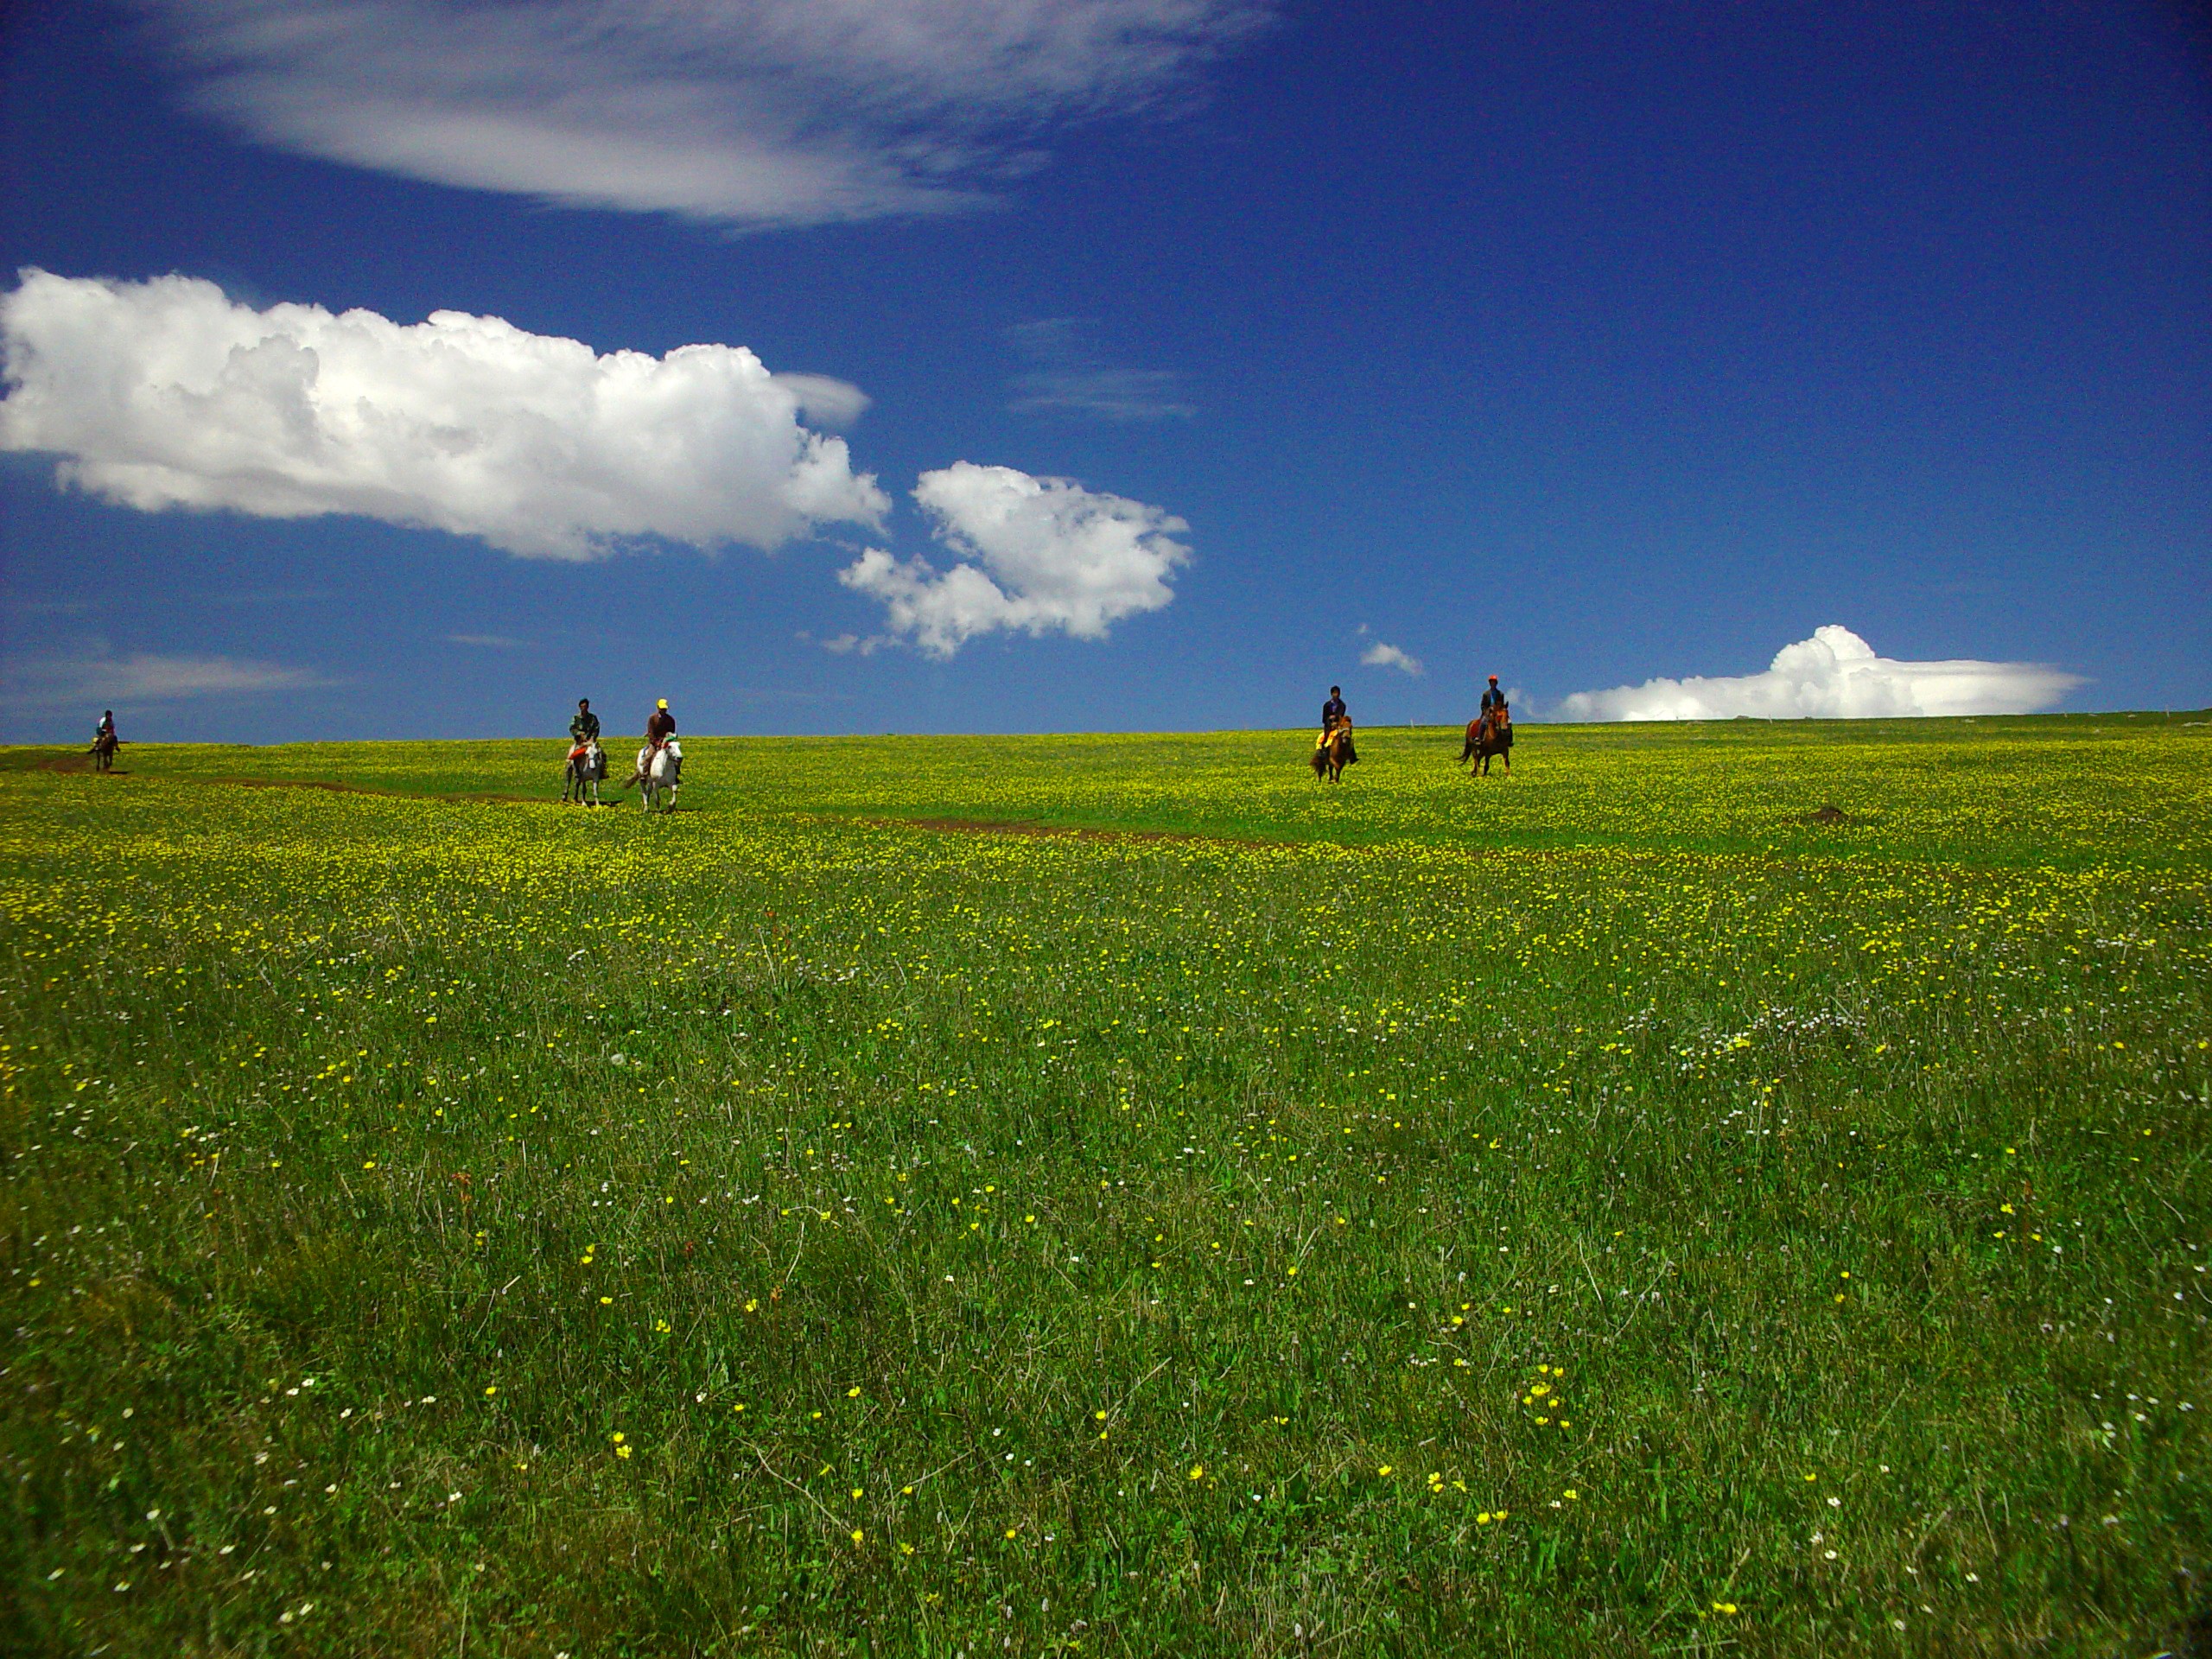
x=1333, y=715
x=584, y=728
x=1498, y=719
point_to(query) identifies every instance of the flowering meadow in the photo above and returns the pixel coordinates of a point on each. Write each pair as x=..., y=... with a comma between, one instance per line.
x=1737, y=1188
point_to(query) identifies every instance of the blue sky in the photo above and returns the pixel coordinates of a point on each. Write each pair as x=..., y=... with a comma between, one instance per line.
x=1586, y=344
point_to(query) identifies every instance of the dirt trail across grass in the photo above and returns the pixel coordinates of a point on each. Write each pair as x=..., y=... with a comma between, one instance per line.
x=1034, y=827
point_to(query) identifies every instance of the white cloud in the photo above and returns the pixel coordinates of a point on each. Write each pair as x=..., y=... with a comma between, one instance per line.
x=1050, y=555
x=745, y=112
x=833, y=404
x=1833, y=675
x=1379, y=654
x=484, y=641
x=96, y=678
x=166, y=394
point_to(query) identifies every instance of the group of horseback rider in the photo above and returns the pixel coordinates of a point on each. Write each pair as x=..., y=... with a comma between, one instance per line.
x=1494, y=726
x=660, y=725
x=583, y=733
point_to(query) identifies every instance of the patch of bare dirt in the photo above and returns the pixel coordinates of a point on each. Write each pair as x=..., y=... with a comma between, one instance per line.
x=1031, y=827
x=363, y=789
x=1827, y=815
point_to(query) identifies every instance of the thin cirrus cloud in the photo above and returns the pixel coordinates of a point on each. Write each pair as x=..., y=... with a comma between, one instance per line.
x=1038, y=556
x=166, y=393
x=1834, y=675
x=1379, y=654
x=1069, y=375
x=747, y=113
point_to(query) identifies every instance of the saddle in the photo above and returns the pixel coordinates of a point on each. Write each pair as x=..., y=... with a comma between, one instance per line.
x=580, y=752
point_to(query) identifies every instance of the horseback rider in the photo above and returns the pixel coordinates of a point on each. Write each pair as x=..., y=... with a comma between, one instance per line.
x=583, y=729
x=660, y=726
x=104, y=742
x=1334, y=714
x=1493, y=698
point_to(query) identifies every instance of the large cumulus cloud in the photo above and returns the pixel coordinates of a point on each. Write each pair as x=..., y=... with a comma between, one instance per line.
x=167, y=394
x=1834, y=674
x=1040, y=555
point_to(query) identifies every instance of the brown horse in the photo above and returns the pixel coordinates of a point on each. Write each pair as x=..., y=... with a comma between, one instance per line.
x=1489, y=737
x=104, y=748
x=1334, y=753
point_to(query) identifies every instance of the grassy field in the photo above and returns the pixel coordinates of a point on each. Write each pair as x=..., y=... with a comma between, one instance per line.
x=1611, y=1211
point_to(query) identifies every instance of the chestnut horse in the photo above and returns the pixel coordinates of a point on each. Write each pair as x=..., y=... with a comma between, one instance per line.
x=1334, y=753
x=1489, y=737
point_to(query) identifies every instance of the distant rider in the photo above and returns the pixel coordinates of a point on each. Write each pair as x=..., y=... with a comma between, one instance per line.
x=1497, y=720
x=1333, y=715
x=105, y=732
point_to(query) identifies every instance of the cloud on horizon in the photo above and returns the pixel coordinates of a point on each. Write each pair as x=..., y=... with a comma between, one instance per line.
x=1048, y=556
x=166, y=393
x=1836, y=676
x=96, y=678
x=1379, y=654
x=767, y=112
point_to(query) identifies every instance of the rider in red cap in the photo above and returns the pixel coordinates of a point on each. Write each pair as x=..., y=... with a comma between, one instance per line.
x=1493, y=698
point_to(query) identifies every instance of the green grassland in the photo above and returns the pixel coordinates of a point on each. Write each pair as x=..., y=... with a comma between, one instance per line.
x=1607, y=1211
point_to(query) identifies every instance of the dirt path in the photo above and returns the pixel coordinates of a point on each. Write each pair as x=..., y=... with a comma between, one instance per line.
x=1031, y=827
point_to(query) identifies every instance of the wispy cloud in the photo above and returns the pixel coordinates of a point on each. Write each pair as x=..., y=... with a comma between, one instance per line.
x=1834, y=675
x=275, y=596
x=763, y=113
x=1379, y=654
x=1069, y=375
x=167, y=394
x=1047, y=556
x=98, y=678
x=484, y=641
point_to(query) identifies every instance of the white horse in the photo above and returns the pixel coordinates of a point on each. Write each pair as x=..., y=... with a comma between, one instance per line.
x=584, y=774
x=659, y=774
